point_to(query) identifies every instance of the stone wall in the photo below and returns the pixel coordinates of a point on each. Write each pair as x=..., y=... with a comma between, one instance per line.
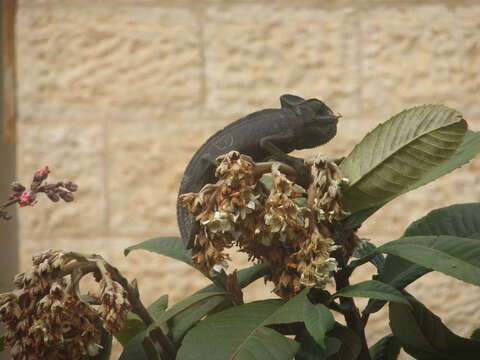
x=118, y=94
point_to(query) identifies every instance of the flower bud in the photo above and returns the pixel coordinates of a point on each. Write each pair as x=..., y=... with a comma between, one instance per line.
x=53, y=196
x=17, y=187
x=66, y=196
x=71, y=186
x=42, y=174
x=26, y=199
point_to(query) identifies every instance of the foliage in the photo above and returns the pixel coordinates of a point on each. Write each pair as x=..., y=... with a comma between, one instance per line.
x=411, y=149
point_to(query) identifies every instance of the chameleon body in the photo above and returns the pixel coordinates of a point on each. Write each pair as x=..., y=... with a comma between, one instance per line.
x=270, y=133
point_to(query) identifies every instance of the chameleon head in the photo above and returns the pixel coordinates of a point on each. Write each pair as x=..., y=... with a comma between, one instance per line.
x=319, y=124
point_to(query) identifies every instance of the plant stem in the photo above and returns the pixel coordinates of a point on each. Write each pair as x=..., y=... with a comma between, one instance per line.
x=351, y=313
x=138, y=308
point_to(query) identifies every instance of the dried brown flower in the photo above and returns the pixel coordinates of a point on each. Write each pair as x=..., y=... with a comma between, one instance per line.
x=44, y=316
x=269, y=224
x=325, y=197
x=115, y=307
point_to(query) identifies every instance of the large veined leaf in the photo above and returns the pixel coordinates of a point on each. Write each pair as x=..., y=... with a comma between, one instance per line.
x=469, y=148
x=399, y=153
x=423, y=335
x=461, y=220
x=168, y=246
x=238, y=333
x=454, y=256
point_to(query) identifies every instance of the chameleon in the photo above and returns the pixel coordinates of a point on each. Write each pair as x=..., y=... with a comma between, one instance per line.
x=265, y=134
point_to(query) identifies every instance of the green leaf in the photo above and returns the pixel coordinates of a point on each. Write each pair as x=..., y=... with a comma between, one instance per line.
x=400, y=153
x=134, y=326
x=191, y=315
x=423, y=335
x=387, y=348
x=398, y=273
x=461, y=220
x=106, y=344
x=291, y=311
x=172, y=247
x=238, y=333
x=357, y=218
x=158, y=307
x=188, y=317
x=372, y=289
x=134, y=348
x=365, y=252
x=318, y=321
x=2, y=342
x=186, y=304
x=454, y=256
x=311, y=350
x=350, y=343
x=150, y=349
x=469, y=148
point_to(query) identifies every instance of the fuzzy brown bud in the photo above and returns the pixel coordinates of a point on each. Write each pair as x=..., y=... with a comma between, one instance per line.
x=52, y=195
x=17, y=187
x=71, y=186
x=66, y=196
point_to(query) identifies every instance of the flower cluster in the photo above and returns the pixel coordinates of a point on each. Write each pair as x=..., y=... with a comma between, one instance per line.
x=325, y=196
x=28, y=197
x=225, y=209
x=115, y=307
x=45, y=318
x=269, y=223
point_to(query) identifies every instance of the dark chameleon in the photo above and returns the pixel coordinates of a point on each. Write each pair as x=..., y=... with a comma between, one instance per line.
x=270, y=133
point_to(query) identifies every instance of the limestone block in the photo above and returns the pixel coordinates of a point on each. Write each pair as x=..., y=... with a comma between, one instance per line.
x=73, y=153
x=140, y=58
x=421, y=54
x=146, y=164
x=254, y=53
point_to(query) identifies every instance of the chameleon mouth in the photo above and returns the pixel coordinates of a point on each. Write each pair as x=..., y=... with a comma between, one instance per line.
x=328, y=119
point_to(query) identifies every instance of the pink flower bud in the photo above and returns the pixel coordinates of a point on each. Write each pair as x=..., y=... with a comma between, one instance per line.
x=26, y=199
x=41, y=174
x=44, y=171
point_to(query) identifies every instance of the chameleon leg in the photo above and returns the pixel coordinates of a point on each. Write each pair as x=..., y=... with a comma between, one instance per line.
x=298, y=164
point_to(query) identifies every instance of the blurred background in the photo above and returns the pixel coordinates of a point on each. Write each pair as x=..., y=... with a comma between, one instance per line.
x=118, y=94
